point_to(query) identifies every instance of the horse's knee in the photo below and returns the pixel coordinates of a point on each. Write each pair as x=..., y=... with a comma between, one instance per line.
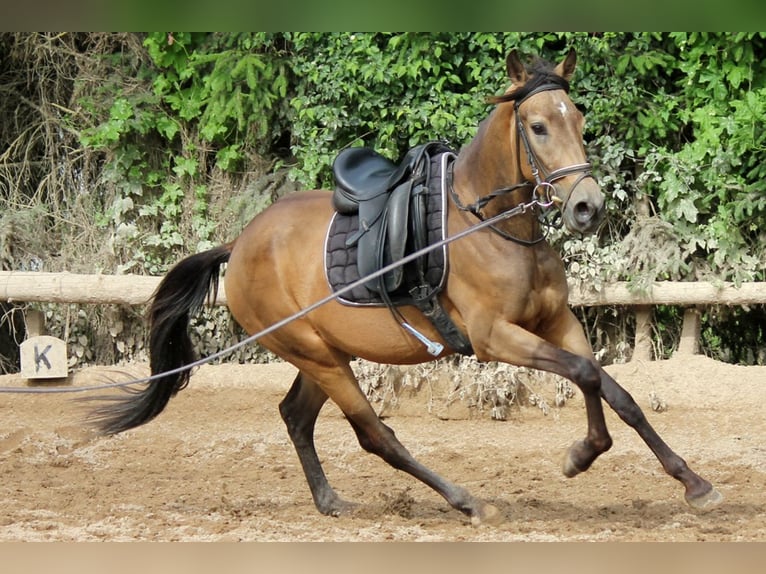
x=630, y=412
x=586, y=374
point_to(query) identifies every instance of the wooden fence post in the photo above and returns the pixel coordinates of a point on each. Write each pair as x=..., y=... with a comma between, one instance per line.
x=642, y=346
x=690, y=332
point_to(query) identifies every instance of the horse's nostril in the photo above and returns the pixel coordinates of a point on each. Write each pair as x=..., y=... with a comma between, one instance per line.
x=583, y=211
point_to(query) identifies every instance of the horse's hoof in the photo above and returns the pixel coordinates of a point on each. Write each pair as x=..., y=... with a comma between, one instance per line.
x=707, y=501
x=569, y=467
x=487, y=514
x=338, y=507
x=570, y=470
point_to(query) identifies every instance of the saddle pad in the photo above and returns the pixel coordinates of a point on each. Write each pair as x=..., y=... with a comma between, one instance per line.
x=340, y=261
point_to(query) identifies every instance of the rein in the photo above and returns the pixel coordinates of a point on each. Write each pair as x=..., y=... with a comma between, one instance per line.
x=543, y=187
x=476, y=207
x=517, y=210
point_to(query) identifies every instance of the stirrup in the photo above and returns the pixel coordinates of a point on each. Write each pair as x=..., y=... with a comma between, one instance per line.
x=432, y=347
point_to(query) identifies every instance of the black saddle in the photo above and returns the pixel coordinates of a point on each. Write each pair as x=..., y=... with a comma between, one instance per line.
x=389, y=200
x=385, y=212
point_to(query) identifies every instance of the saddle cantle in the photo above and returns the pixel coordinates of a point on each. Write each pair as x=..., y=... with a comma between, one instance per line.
x=362, y=174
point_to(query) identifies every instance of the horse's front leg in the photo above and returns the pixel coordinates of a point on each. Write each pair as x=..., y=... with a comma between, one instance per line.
x=513, y=344
x=699, y=493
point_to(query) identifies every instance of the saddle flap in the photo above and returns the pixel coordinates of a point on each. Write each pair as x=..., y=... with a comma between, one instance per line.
x=387, y=242
x=397, y=233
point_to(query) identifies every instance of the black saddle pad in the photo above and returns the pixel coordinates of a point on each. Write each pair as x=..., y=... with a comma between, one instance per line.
x=340, y=261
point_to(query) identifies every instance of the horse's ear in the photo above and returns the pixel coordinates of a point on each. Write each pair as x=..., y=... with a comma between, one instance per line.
x=516, y=71
x=566, y=68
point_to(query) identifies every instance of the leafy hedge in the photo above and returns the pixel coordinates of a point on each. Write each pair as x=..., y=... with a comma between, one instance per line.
x=165, y=131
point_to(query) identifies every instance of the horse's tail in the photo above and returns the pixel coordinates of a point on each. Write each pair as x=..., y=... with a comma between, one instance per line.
x=182, y=292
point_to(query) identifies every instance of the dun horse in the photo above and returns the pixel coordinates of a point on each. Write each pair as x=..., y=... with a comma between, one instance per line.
x=504, y=297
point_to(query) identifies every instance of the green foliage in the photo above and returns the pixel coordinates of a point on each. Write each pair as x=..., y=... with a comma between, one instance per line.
x=391, y=91
x=157, y=137
x=207, y=99
x=683, y=114
x=710, y=184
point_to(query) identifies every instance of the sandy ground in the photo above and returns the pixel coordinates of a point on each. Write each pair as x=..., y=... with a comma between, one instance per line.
x=217, y=465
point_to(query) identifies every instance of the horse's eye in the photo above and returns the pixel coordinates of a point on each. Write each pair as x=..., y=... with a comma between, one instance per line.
x=538, y=129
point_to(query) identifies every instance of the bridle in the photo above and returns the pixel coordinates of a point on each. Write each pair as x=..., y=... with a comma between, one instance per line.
x=543, y=192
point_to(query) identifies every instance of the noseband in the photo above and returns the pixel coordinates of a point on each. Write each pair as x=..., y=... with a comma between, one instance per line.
x=544, y=192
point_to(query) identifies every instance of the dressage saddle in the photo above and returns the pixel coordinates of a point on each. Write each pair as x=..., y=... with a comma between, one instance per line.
x=391, y=206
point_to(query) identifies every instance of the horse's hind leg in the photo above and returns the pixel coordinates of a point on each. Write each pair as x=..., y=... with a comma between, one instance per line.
x=299, y=410
x=379, y=439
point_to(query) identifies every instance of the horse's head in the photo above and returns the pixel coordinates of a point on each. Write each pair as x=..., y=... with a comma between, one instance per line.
x=549, y=136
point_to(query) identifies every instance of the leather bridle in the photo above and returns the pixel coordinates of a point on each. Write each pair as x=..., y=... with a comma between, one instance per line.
x=543, y=192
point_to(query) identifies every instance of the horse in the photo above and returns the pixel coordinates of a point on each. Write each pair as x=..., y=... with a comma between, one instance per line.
x=506, y=293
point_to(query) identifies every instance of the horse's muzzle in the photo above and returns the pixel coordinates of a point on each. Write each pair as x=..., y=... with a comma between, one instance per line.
x=584, y=211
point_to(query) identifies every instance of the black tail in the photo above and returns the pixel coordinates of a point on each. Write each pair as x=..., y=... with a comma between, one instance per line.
x=182, y=292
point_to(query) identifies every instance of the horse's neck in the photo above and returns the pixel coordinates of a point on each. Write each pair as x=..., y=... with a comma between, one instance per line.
x=491, y=162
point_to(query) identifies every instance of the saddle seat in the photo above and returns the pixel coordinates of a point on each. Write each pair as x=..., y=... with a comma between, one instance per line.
x=362, y=174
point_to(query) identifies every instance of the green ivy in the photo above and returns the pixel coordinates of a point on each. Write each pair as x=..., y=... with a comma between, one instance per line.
x=208, y=99
x=391, y=91
x=674, y=126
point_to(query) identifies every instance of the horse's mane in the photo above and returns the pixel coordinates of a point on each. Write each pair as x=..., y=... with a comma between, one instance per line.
x=540, y=73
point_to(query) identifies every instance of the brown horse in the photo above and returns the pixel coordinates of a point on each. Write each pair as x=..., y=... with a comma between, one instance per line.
x=506, y=291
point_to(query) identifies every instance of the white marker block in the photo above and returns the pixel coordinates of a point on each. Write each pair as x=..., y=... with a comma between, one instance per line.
x=43, y=357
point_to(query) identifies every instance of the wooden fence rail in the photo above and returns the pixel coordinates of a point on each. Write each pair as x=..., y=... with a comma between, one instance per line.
x=27, y=286
x=18, y=286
